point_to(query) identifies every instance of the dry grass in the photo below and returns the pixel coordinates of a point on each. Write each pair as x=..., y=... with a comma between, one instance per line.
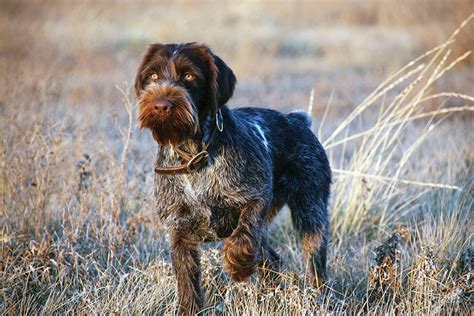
x=78, y=232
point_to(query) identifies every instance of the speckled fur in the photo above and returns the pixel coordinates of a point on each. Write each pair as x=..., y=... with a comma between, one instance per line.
x=261, y=161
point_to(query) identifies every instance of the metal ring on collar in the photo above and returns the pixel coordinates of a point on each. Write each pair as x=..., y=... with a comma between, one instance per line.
x=195, y=163
x=219, y=121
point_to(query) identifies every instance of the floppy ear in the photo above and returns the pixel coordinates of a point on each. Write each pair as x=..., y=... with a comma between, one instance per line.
x=222, y=79
x=226, y=81
x=147, y=57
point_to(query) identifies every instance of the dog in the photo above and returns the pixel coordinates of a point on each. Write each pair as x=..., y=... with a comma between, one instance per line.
x=224, y=174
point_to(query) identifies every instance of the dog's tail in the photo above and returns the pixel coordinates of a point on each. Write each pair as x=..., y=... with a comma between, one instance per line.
x=300, y=117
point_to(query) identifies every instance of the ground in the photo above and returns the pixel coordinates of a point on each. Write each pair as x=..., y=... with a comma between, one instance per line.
x=78, y=230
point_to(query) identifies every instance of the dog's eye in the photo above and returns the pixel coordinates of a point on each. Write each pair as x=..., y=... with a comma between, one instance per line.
x=154, y=76
x=188, y=77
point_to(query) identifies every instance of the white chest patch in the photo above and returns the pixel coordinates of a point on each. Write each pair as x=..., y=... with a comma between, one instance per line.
x=189, y=188
x=262, y=135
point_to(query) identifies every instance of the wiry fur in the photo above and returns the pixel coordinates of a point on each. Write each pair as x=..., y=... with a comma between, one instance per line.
x=183, y=122
x=261, y=161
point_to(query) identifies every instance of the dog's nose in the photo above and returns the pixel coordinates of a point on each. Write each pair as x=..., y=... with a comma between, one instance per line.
x=162, y=107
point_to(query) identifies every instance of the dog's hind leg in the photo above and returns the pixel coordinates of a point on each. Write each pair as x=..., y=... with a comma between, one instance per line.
x=310, y=219
x=270, y=262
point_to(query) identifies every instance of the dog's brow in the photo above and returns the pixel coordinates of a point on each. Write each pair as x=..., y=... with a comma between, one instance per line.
x=156, y=64
x=184, y=64
x=172, y=67
x=149, y=68
x=168, y=72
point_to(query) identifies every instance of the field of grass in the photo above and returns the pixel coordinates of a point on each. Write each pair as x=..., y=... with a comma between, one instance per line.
x=390, y=85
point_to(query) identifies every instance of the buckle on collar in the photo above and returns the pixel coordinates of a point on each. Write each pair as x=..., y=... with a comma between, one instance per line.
x=197, y=161
x=219, y=121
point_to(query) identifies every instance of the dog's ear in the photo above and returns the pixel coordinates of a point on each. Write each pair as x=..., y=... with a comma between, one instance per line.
x=226, y=81
x=222, y=79
x=150, y=53
x=147, y=56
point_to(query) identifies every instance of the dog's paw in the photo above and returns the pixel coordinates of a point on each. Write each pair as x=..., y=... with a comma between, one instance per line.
x=240, y=255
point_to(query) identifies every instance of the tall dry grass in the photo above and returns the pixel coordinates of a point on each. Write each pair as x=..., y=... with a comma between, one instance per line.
x=78, y=233
x=379, y=156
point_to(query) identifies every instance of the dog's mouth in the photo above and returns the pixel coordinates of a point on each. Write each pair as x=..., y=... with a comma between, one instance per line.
x=169, y=113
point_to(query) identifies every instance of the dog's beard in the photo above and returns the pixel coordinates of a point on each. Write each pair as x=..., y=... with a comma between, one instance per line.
x=179, y=125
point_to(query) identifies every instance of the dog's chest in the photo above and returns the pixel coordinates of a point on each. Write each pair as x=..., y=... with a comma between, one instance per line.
x=194, y=190
x=214, y=195
x=222, y=184
x=218, y=199
x=214, y=187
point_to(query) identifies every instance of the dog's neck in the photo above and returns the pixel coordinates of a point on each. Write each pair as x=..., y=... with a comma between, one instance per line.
x=190, y=146
x=204, y=139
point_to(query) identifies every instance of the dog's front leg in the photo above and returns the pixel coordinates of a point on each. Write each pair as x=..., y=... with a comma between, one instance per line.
x=186, y=265
x=241, y=248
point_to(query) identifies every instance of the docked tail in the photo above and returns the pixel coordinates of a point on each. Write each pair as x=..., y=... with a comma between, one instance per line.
x=300, y=117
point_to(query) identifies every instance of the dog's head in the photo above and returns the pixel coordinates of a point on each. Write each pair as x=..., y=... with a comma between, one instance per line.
x=178, y=86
